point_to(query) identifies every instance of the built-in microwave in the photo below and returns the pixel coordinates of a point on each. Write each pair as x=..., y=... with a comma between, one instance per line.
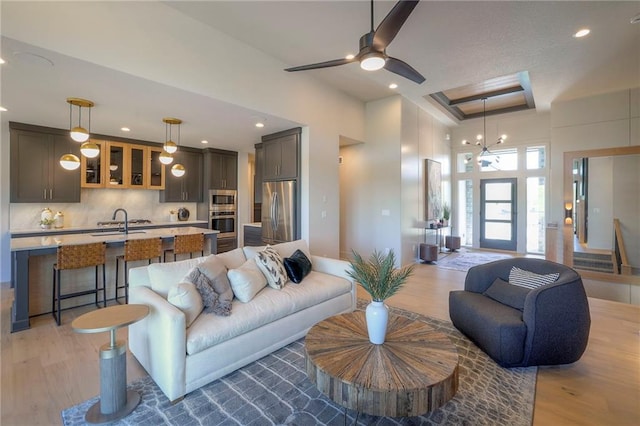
x=222, y=199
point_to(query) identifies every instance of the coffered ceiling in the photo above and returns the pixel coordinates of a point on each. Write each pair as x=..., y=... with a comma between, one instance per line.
x=453, y=44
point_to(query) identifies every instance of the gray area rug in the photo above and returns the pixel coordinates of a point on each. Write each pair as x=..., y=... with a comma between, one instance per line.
x=465, y=260
x=275, y=390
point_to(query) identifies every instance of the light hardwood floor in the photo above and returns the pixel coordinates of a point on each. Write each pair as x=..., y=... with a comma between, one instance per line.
x=48, y=368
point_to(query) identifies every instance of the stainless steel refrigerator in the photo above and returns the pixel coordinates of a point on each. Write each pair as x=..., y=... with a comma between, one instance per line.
x=278, y=211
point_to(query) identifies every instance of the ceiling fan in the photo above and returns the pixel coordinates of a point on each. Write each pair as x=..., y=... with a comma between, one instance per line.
x=372, y=55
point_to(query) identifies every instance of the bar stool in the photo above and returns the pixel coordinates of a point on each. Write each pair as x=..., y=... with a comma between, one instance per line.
x=186, y=244
x=138, y=249
x=77, y=257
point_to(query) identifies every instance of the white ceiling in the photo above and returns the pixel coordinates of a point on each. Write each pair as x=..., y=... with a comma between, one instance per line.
x=451, y=43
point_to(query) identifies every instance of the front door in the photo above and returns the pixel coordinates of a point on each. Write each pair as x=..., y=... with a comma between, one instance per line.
x=498, y=213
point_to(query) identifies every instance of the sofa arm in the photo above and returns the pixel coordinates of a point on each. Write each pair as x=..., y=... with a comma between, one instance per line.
x=159, y=341
x=558, y=323
x=331, y=266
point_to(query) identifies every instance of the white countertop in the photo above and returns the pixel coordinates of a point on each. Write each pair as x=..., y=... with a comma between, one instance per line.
x=254, y=224
x=32, y=243
x=85, y=228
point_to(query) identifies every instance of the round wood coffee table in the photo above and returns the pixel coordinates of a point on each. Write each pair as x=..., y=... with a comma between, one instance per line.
x=414, y=371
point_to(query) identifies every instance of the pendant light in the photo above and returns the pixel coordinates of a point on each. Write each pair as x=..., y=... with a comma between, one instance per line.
x=79, y=133
x=170, y=146
x=485, y=157
x=69, y=162
x=165, y=158
x=90, y=149
x=178, y=170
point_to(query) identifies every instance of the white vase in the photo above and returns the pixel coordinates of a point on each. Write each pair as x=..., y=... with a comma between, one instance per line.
x=377, y=315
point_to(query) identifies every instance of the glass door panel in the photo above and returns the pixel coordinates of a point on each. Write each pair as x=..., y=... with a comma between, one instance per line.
x=535, y=214
x=155, y=179
x=117, y=165
x=498, y=213
x=92, y=172
x=137, y=167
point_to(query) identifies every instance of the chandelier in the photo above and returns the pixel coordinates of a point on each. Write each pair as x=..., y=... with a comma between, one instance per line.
x=485, y=158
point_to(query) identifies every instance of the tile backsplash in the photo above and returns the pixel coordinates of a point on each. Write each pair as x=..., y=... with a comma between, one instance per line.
x=98, y=205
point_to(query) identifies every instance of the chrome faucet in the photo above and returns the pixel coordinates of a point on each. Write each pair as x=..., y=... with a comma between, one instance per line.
x=126, y=219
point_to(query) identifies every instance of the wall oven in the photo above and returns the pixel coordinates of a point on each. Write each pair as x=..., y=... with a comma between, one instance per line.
x=222, y=212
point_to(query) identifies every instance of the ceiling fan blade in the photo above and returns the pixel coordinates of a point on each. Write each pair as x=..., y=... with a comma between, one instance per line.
x=326, y=64
x=391, y=24
x=399, y=67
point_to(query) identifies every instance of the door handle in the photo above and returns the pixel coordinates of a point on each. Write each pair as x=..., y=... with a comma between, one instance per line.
x=50, y=194
x=275, y=206
x=44, y=193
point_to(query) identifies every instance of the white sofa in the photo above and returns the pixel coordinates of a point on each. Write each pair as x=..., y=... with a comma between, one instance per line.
x=181, y=359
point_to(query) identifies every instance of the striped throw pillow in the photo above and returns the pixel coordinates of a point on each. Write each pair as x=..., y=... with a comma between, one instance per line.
x=529, y=279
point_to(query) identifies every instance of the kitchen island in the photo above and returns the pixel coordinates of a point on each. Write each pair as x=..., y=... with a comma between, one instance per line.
x=32, y=257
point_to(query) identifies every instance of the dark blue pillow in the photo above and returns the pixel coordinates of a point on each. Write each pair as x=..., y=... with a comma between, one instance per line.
x=507, y=294
x=297, y=266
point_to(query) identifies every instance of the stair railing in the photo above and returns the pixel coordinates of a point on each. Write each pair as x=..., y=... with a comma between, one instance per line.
x=620, y=260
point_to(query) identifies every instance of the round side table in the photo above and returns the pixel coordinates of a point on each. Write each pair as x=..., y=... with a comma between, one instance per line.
x=115, y=401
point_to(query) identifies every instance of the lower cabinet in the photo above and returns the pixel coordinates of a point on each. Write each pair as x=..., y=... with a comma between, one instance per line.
x=253, y=236
x=226, y=244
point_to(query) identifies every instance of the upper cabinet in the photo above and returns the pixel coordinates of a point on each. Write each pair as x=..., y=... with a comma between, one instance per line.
x=281, y=155
x=187, y=188
x=123, y=165
x=36, y=174
x=224, y=170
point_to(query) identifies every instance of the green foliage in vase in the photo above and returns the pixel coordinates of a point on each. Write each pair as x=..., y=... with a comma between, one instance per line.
x=378, y=275
x=446, y=212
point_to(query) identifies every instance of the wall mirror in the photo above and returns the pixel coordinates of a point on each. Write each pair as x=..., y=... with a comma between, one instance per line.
x=601, y=232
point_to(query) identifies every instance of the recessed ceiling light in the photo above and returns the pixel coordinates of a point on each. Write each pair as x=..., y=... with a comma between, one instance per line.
x=635, y=19
x=2, y=61
x=260, y=124
x=350, y=56
x=582, y=32
x=393, y=86
x=203, y=141
x=125, y=129
x=3, y=109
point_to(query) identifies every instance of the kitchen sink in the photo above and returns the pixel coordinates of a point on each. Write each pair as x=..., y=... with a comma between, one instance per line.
x=104, y=234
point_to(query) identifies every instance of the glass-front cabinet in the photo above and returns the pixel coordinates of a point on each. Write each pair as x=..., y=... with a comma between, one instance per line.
x=118, y=162
x=93, y=170
x=156, y=169
x=138, y=164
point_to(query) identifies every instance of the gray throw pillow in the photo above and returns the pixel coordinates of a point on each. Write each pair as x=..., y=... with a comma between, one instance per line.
x=530, y=279
x=210, y=278
x=507, y=294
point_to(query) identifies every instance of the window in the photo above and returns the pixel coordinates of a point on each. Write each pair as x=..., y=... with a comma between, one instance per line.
x=504, y=159
x=465, y=211
x=465, y=162
x=535, y=157
x=535, y=214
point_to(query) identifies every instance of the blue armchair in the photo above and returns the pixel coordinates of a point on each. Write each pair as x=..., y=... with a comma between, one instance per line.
x=548, y=326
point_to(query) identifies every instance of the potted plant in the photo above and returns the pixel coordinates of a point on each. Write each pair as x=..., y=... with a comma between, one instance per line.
x=381, y=279
x=446, y=214
x=46, y=222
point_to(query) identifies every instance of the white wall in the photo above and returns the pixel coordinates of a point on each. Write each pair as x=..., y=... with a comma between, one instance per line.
x=135, y=37
x=382, y=194
x=600, y=203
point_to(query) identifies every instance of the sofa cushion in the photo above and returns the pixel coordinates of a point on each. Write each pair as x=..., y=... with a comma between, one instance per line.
x=246, y=281
x=232, y=259
x=267, y=306
x=530, y=279
x=186, y=297
x=270, y=263
x=297, y=266
x=163, y=276
x=507, y=294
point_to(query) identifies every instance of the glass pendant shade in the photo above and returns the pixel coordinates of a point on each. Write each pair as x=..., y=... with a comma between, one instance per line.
x=170, y=146
x=165, y=158
x=69, y=162
x=79, y=134
x=90, y=149
x=178, y=170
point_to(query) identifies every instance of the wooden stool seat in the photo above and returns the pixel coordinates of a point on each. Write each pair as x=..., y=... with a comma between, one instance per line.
x=78, y=257
x=183, y=244
x=138, y=249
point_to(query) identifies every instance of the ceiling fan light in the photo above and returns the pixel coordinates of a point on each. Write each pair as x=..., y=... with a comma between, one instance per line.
x=178, y=170
x=79, y=134
x=170, y=146
x=90, y=149
x=372, y=61
x=165, y=158
x=69, y=162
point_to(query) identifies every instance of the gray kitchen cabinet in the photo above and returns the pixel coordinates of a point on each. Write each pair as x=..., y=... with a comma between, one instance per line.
x=259, y=172
x=253, y=236
x=187, y=187
x=281, y=155
x=36, y=175
x=224, y=170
